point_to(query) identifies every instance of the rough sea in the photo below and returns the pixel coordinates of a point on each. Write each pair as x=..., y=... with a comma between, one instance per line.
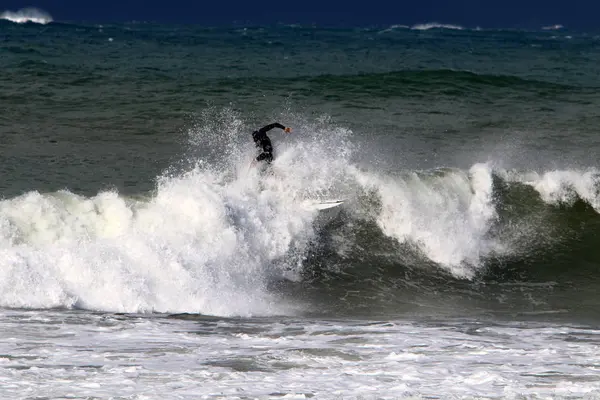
x=142, y=258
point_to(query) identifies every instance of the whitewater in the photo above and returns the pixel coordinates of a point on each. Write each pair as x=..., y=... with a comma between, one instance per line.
x=211, y=239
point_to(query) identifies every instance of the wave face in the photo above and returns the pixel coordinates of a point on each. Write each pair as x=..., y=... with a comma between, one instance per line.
x=25, y=15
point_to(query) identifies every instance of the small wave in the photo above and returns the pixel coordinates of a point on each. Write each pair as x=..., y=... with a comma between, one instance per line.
x=394, y=28
x=443, y=81
x=25, y=15
x=553, y=27
x=435, y=25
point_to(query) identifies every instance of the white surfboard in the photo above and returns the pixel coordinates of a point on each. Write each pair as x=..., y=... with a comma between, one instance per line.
x=321, y=205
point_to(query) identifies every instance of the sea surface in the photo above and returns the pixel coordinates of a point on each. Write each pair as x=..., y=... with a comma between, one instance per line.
x=141, y=257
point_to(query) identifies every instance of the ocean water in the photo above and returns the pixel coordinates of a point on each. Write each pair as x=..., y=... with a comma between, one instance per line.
x=141, y=257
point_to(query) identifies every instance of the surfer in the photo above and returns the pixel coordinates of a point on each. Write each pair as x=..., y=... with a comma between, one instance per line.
x=263, y=142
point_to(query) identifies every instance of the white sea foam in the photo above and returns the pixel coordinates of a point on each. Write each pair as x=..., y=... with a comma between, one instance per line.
x=208, y=241
x=57, y=355
x=199, y=245
x=553, y=27
x=435, y=25
x=24, y=15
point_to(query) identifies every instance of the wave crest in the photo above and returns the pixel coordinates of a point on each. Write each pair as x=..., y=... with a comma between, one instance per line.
x=435, y=25
x=24, y=15
x=553, y=27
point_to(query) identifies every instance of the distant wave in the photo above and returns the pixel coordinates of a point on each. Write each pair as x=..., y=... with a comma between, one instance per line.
x=553, y=27
x=435, y=25
x=443, y=81
x=395, y=27
x=29, y=14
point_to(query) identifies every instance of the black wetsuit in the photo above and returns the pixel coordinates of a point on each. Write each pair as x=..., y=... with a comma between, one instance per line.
x=263, y=142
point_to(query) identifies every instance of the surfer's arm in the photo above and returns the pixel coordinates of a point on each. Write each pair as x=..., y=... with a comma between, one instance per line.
x=267, y=128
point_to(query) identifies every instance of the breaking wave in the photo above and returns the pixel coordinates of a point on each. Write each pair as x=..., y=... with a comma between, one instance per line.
x=435, y=25
x=217, y=237
x=25, y=15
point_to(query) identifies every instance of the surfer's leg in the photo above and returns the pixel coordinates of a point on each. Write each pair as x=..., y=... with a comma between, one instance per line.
x=265, y=156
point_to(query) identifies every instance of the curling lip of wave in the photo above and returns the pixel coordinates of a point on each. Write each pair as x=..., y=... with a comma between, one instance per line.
x=24, y=15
